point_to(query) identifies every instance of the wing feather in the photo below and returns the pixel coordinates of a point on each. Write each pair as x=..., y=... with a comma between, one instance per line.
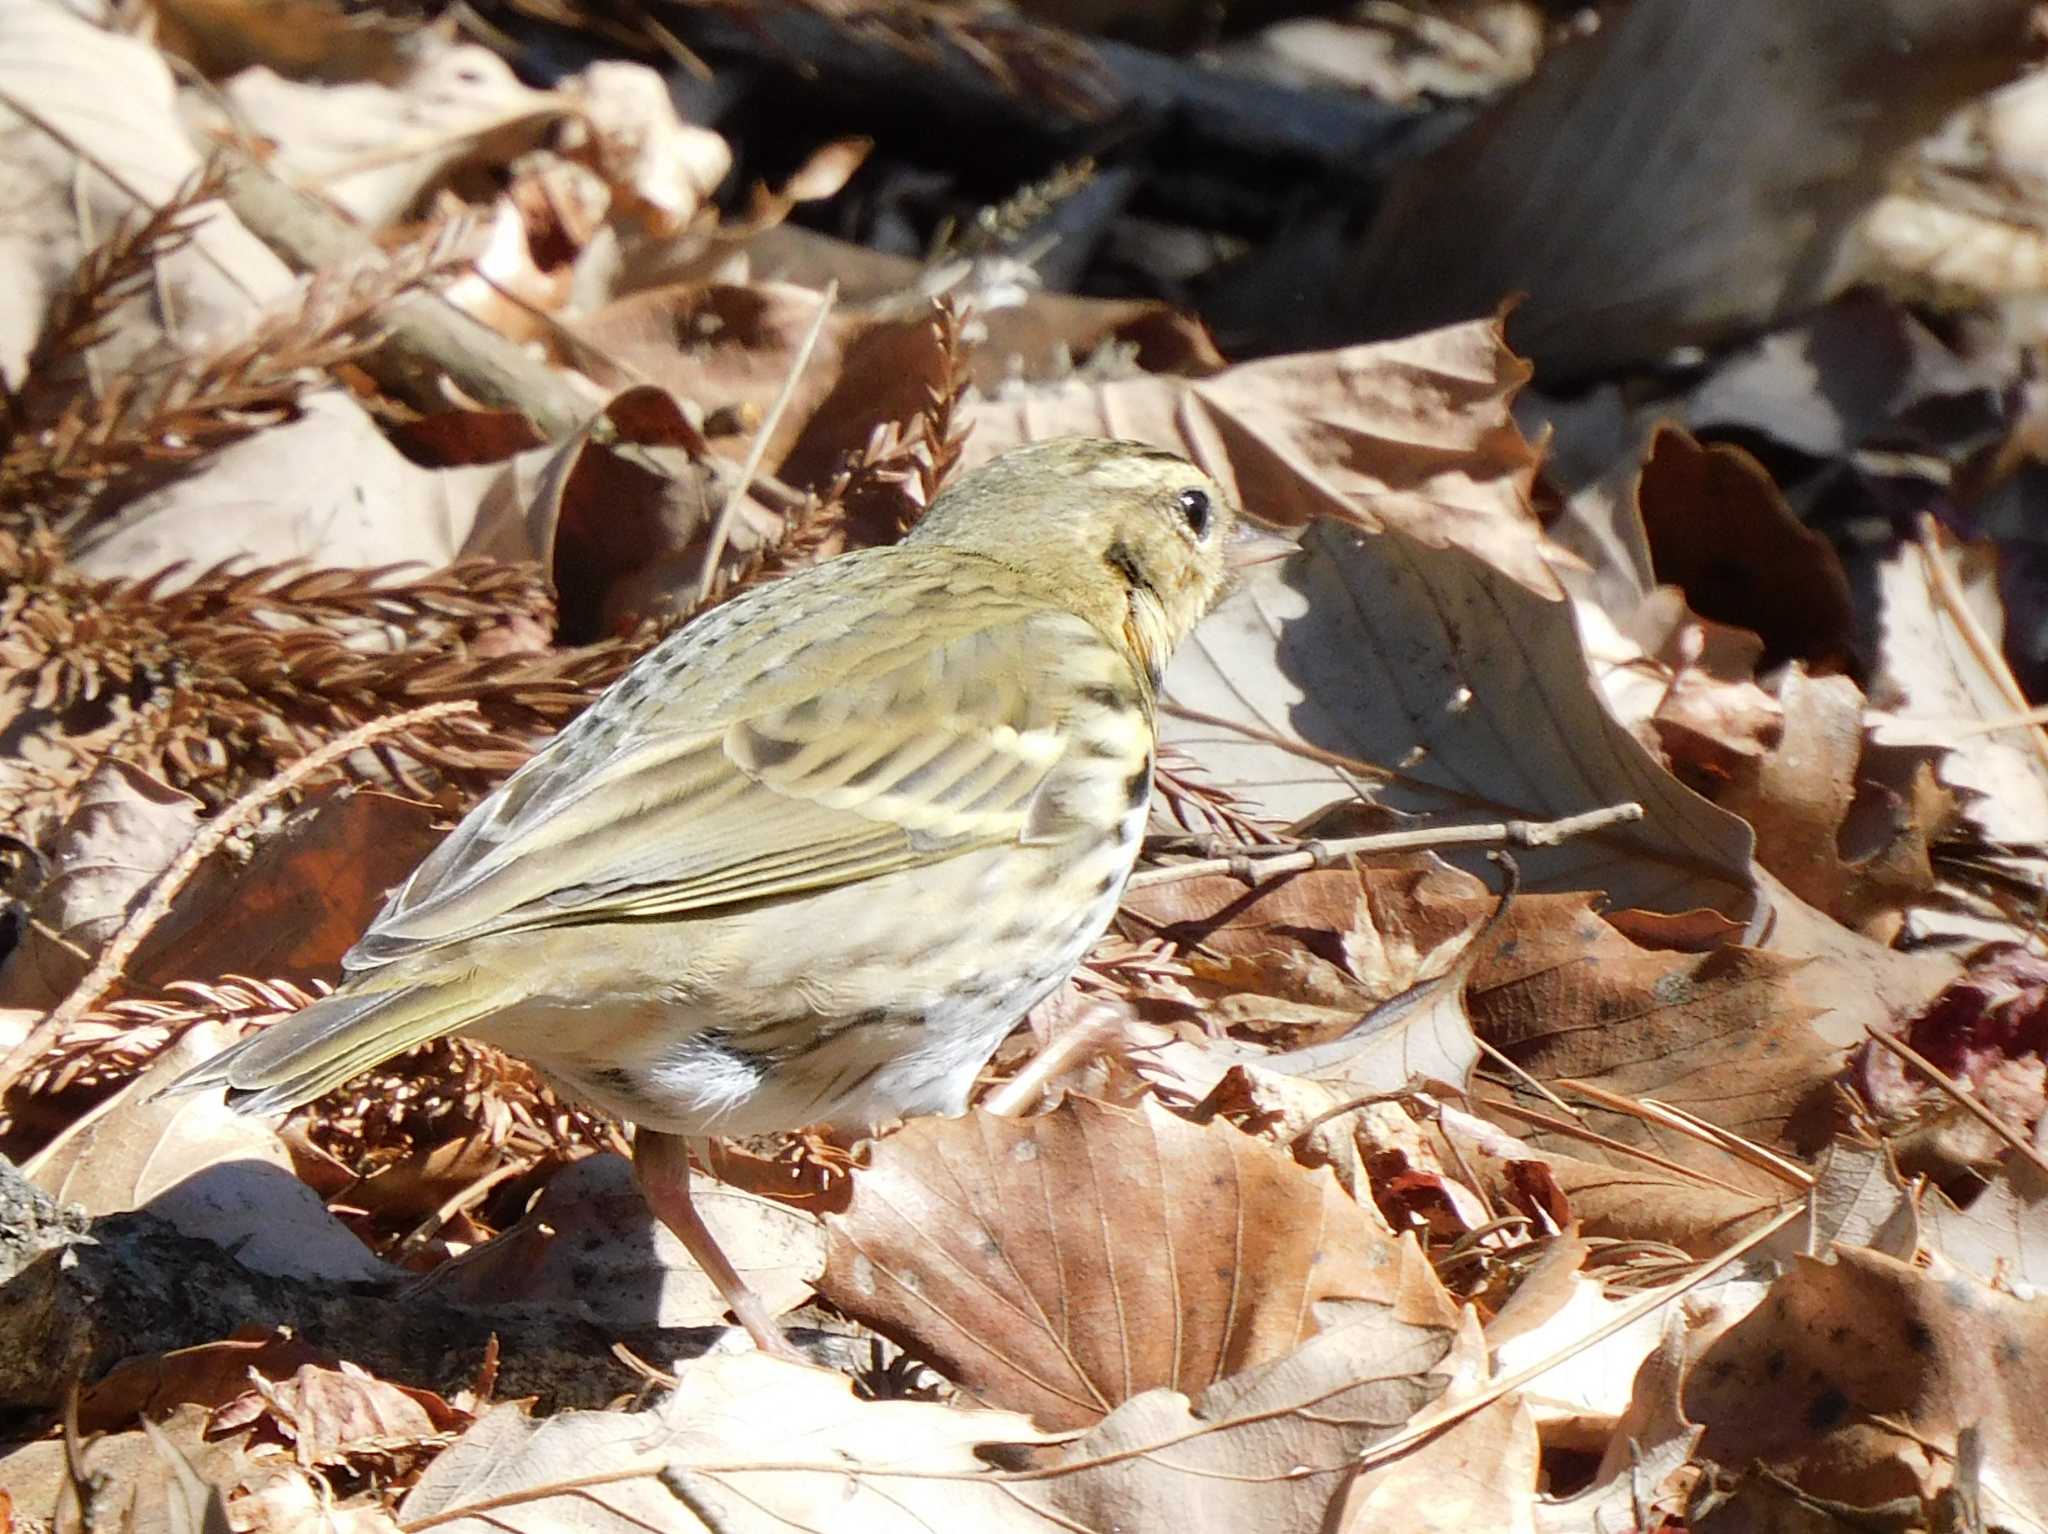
x=920, y=729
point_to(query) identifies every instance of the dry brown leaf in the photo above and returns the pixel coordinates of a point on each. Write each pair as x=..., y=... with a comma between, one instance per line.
x=126, y=830
x=616, y=514
x=1430, y=661
x=576, y=1470
x=1619, y=1198
x=758, y=1445
x=1876, y=1367
x=1649, y=1447
x=1731, y=1035
x=326, y=488
x=2002, y=1237
x=1719, y=528
x=1852, y=847
x=1680, y=174
x=215, y=1174
x=661, y=169
x=377, y=149
x=109, y=100
x=1939, y=601
x=207, y=1375
x=328, y=1412
x=135, y=1484
x=590, y=1245
x=1480, y=1475
x=299, y=902
x=1034, y=1259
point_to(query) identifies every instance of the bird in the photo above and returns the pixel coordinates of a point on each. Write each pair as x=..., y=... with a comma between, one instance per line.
x=813, y=856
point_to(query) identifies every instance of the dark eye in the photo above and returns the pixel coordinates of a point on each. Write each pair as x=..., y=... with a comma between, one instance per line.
x=1194, y=505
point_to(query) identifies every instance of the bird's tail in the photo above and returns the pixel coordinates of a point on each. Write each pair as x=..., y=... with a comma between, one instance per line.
x=337, y=1038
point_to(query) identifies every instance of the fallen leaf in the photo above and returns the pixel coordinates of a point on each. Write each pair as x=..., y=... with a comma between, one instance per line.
x=1678, y=176
x=1720, y=530
x=215, y=1174
x=1850, y=1347
x=105, y=143
x=300, y=902
x=126, y=830
x=1032, y=1258
x=1384, y=649
x=326, y=488
x=376, y=149
x=591, y=1245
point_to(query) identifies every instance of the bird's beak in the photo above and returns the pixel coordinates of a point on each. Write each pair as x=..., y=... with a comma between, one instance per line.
x=1251, y=546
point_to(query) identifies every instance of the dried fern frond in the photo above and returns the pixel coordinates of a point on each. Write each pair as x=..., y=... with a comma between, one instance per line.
x=109, y=275
x=158, y=421
x=1205, y=808
x=452, y=1091
x=122, y=1039
x=942, y=433
x=1001, y=226
x=220, y=683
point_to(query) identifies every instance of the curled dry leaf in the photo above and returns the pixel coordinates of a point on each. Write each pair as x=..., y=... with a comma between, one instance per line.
x=330, y=1413
x=1034, y=1259
x=1720, y=529
x=1843, y=840
x=376, y=149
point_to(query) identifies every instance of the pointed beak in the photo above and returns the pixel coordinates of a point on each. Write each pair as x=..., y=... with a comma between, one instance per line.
x=1251, y=546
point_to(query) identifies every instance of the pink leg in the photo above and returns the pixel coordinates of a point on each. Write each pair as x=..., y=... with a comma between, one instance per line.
x=662, y=1164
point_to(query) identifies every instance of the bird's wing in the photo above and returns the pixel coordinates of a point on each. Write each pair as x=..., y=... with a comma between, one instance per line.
x=921, y=724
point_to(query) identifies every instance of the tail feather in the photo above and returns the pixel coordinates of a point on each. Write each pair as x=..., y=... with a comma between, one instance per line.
x=336, y=1039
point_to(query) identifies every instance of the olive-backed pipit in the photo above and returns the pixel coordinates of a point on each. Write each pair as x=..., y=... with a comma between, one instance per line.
x=814, y=855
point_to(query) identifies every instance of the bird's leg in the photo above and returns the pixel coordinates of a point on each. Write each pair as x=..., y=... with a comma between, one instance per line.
x=662, y=1165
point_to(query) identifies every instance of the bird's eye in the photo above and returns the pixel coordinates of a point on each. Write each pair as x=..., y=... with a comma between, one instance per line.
x=1194, y=505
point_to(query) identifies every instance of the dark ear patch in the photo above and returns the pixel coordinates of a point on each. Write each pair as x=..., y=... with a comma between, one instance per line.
x=1138, y=787
x=1119, y=557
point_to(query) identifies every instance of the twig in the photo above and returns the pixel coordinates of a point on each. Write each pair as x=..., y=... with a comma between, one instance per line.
x=1255, y=865
x=205, y=842
x=715, y=548
x=1963, y=1100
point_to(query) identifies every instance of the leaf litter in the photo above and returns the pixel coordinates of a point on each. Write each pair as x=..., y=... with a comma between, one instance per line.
x=1683, y=1176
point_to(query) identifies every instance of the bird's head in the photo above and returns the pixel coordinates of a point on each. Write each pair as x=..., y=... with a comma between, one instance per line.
x=1133, y=538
